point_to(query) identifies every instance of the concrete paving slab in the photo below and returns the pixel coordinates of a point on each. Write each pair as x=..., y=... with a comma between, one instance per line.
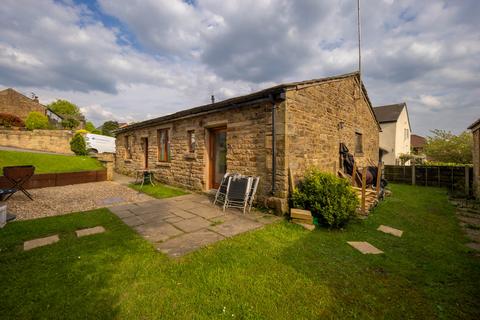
x=133, y=221
x=390, y=230
x=194, y=224
x=40, y=242
x=206, y=212
x=122, y=213
x=158, y=232
x=173, y=219
x=186, y=204
x=154, y=216
x=123, y=207
x=149, y=203
x=364, y=247
x=188, y=242
x=90, y=231
x=190, y=197
x=112, y=200
x=182, y=213
x=234, y=227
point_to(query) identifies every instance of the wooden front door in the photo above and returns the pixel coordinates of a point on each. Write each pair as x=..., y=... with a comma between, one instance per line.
x=145, y=151
x=218, y=155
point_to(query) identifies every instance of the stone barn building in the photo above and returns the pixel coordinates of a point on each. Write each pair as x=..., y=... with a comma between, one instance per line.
x=295, y=125
x=475, y=128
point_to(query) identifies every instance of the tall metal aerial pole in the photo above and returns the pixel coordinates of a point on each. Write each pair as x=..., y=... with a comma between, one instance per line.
x=359, y=42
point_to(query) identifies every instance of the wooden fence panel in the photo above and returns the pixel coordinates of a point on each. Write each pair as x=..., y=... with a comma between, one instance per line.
x=453, y=178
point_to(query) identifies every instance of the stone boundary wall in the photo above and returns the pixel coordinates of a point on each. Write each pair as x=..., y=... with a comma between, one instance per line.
x=57, y=141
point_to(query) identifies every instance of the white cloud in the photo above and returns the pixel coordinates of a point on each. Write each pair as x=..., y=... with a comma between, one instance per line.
x=429, y=101
x=165, y=55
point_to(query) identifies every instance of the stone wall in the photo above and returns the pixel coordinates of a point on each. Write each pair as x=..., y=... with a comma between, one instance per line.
x=57, y=141
x=320, y=117
x=248, y=147
x=476, y=161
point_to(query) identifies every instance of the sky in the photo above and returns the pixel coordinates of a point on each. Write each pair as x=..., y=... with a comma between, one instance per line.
x=133, y=60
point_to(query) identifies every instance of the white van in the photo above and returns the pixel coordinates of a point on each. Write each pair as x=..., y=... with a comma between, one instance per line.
x=97, y=143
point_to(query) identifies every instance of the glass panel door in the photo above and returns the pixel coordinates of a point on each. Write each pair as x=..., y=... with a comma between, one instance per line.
x=219, y=156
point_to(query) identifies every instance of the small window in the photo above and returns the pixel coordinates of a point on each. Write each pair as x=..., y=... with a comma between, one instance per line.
x=191, y=140
x=127, y=145
x=163, y=145
x=405, y=135
x=358, y=143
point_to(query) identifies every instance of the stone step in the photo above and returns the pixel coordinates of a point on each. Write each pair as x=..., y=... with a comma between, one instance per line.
x=300, y=214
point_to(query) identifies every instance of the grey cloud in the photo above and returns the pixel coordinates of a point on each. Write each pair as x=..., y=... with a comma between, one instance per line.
x=410, y=49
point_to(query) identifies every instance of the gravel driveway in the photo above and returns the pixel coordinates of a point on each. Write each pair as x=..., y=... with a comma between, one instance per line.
x=79, y=197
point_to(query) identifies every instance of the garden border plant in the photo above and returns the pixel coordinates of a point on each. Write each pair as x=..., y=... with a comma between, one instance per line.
x=332, y=200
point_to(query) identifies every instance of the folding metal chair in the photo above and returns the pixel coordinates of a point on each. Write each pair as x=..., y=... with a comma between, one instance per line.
x=238, y=191
x=18, y=176
x=221, y=194
x=253, y=191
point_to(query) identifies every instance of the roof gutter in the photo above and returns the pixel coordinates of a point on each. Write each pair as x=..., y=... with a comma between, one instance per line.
x=273, y=101
x=168, y=119
x=274, y=144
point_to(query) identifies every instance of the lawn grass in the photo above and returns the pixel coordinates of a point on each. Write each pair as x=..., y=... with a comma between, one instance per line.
x=48, y=163
x=159, y=191
x=280, y=272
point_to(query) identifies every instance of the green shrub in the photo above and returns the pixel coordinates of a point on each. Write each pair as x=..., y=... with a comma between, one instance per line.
x=70, y=123
x=330, y=199
x=81, y=131
x=36, y=120
x=78, y=145
x=9, y=120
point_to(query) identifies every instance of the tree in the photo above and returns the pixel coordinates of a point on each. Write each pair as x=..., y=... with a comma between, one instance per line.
x=90, y=127
x=64, y=107
x=36, y=120
x=108, y=127
x=78, y=145
x=70, y=123
x=444, y=146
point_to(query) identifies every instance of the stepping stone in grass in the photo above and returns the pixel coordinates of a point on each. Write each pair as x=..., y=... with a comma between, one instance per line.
x=364, y=247
x=390, y=230
x=90, y=231
x=40, y=242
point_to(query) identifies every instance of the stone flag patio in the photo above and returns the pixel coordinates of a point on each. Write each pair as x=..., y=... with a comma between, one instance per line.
x=180, y=225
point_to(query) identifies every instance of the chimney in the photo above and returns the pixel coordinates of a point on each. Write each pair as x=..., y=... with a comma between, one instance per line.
x=213, y=98
x=34, y=97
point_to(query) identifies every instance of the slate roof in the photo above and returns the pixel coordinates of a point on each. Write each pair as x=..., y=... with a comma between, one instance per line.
x=238, y=102
x=389, y=113
x=475, y=124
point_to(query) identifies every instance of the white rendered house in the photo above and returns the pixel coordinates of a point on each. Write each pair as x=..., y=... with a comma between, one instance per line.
x=396, y=130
